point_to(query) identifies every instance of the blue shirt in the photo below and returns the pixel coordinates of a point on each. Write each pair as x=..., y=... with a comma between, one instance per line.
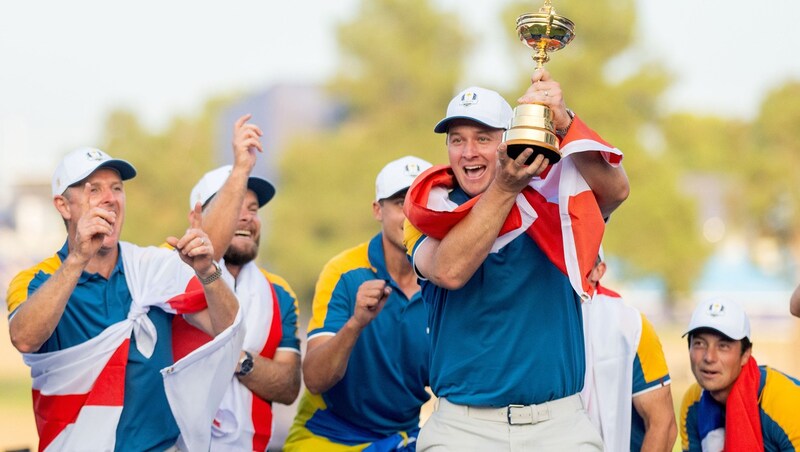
x=512, y=335
x=384, y=386
x=146, y=422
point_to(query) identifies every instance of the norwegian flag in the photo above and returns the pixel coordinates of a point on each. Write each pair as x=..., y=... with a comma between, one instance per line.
x=78, y=392
x=558, y=210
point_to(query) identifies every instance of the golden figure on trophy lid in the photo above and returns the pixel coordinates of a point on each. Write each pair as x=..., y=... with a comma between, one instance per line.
x=532, y=125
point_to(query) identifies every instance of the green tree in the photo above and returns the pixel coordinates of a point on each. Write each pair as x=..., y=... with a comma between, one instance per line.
x=655, y=232
x=769, y=194
x=400, y=63
x=168, y=164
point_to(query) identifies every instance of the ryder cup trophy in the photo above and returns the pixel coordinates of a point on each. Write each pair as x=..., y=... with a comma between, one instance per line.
x=532, y=126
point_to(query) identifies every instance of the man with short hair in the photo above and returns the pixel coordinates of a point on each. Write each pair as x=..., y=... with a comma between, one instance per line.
x=269, y=368
x=735, y=405
x=624, y=357
x=366, y=364
x=93, y=321
x=503, y=248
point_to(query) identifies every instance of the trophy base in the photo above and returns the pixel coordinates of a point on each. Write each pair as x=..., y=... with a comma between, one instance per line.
x=541, y=140
x=514, y=150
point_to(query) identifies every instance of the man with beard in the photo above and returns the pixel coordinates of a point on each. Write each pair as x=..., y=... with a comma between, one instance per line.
x=94, y=320
x=269, y=368
x=366, y=366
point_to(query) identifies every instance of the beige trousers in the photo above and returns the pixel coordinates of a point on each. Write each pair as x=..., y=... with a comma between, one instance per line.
x=557, y=426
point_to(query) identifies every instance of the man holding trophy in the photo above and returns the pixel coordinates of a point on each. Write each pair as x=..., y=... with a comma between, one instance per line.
x=503, y=246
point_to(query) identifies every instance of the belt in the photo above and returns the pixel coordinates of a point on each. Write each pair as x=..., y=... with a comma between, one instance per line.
x=516, y=414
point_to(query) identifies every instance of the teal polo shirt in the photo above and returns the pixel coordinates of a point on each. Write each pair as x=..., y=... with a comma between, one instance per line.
x=512, y=335
x=384, y=386
x=146, y=422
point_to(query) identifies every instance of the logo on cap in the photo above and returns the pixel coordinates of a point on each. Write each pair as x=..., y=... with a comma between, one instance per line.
x=412, y=169
x=94, y=154
x=469, y=98
x=716, y=309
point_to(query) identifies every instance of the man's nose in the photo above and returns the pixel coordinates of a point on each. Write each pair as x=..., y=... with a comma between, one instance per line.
x=106, y=195
x=470, y=148
x=710, y=355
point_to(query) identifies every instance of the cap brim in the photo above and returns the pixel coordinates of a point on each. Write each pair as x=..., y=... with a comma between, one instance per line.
x=444, y=124
x=126, y=170
x=722, y=333
x=262, y=188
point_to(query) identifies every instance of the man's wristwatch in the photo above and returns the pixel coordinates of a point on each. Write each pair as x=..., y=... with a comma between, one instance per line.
x=563, y=132
x=245, y=364
x=212, y=277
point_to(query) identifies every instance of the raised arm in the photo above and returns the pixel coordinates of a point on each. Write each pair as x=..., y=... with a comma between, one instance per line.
x=608, y=183
x=326, y=357
x=196, y=250
x=36, y=318
x=220, y=217
x=451, y=262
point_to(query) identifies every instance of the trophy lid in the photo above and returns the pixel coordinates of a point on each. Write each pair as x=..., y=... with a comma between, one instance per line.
x=554, y=30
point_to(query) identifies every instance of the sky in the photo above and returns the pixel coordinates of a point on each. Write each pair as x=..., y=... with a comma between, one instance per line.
x=65, y=65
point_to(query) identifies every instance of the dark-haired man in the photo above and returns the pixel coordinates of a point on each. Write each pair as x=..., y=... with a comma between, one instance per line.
x=735, y=405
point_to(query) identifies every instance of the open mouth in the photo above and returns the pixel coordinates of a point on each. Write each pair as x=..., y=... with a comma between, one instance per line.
x=242, y=233
x=708, y=373
x=474, y=171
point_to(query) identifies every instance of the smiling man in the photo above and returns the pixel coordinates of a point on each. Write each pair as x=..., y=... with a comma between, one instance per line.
x=269, y=367
x=93, y=321
x=501, y=278
x=366, y=365
x=735, y=405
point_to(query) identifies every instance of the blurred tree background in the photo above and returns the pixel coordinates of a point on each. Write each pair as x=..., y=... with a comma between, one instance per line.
x=401, y=62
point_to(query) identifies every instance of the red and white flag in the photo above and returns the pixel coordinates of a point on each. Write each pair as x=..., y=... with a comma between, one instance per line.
x=78, y=392
x=558, y=209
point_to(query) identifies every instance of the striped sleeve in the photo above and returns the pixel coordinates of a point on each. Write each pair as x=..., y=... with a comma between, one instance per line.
x=23, y=284
x=290, y=312
x=331, y=306
x=780, y=400
x=412, y=238
x=649, y=367
x=690, y=438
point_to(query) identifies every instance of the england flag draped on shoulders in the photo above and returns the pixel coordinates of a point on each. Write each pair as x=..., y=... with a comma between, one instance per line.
x=557, y=210
x=612, y=331
x=78, y=392
x=244, y=420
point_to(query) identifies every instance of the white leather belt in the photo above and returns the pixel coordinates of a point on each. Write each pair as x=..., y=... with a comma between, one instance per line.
x=517, y=414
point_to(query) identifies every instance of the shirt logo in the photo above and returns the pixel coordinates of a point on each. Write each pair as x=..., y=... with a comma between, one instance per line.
x=469, y=98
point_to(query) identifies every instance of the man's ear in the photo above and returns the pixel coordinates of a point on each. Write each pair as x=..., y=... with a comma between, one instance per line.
x=62, y=205
x=377, y=213
x=746, y=355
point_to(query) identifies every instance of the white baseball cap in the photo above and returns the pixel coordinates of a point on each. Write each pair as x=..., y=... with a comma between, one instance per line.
x=212, y=181
x=398, y=175
x=725, y=316
x=81, y=163
x=478, y=104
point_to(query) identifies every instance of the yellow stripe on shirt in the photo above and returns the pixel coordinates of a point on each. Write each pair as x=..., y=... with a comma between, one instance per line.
x=18, y=289
x=651, y=354
x=340, y=264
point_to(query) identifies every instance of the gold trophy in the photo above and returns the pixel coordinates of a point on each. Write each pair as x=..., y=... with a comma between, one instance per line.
x=532, y=126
